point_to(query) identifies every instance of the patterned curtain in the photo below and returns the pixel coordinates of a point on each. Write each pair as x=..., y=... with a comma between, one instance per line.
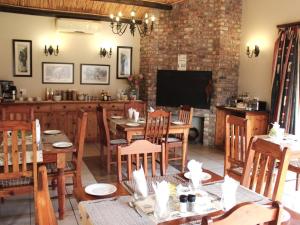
x=285, y=80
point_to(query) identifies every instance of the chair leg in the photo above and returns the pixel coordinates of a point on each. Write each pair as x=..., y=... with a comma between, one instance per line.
x=108, y=160
x=167, y=158
x=53, y=183
x=297, y=182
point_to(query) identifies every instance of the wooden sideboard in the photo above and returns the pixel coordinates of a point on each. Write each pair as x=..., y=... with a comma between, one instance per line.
x=62, y=115
x=258, y=122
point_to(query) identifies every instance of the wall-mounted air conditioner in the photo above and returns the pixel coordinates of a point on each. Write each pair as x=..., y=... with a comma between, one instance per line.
x=80, y=26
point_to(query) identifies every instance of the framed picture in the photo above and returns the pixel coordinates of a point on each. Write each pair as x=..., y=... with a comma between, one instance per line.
x=94, y=74
x=58, y=73
x=22, y=58
x=124, y=62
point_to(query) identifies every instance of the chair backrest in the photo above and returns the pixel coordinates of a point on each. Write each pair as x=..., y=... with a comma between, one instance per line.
x=248, y=214
x=25, y=113
x=79, y=143
x=141, y=148
x=15, y=149
x=185, y=114
x=137, y=105
x=104, y=135
x=43, y=205
x=157, y=126
x=236, y=142
x=266, y=168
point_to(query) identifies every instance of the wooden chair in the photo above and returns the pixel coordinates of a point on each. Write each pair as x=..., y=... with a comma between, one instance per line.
x=185, y=115
x=137, y=105
x=25, y=113
x=138, y=149
x=266, y=167
x=44, y=210
x=236, y=145
x=105, y=138
x=157, y=126
x=73, y=167
x=18, y=167
x=248, y=214
x=294, y=166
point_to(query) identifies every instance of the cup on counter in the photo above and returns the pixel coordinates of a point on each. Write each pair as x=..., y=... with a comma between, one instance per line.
x=57, y=97
x=38, y=99
x=29, y=99
x=21, y=99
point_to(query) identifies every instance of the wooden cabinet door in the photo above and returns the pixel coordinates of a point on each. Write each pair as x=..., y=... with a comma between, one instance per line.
x=258, y=124
x=220, y=127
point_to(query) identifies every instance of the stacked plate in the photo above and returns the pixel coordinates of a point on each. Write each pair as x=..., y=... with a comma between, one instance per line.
x=52, y=132
x=100, y=189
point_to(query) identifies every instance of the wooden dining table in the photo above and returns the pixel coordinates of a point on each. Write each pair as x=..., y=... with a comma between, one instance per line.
x=120, y=125
x=290, y=141
x=58, y=156
x=123, y=191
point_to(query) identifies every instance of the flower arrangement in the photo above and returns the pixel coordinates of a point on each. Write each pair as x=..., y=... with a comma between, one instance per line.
x=135, y=80
x=136, y=85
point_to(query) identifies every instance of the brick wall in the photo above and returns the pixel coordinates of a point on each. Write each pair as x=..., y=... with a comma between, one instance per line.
x=208, y=32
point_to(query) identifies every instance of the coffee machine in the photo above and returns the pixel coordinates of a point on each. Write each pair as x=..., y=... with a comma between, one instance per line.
x=8, y=91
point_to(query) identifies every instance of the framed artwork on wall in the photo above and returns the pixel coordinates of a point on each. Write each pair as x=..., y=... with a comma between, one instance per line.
x=124, y=62
x=57, y=73
x=94, y=74
x=22, y=58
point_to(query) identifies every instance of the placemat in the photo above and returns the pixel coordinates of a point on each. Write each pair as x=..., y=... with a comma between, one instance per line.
x=114, y=122
x=113, y=211
x=242, y=195
x=52, y=138
x=173, y=179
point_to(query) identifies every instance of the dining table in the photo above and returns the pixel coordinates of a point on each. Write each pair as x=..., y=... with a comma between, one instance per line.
x=57, y=155
x=115, y=208
x=130, y=129
x=289, y=140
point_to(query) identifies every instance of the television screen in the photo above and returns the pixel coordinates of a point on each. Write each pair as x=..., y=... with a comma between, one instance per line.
x=175, y=88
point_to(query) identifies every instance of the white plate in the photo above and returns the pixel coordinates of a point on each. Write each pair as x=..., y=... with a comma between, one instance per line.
x=52, y=132
x=62, y=144
x=100, y=189
x=133, y=124
x=204, y=176
x=177, y=122
x=141, y=121
x=116, y=117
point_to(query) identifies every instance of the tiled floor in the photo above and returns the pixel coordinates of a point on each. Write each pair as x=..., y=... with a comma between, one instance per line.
x=20, y=210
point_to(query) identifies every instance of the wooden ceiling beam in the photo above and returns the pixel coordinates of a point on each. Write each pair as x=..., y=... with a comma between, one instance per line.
x=56, y=13
x=141, y=3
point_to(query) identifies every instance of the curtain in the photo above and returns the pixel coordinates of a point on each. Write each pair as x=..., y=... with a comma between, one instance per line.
x=285, y=80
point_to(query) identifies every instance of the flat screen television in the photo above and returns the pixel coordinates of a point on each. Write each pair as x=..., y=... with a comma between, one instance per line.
x=175, y=88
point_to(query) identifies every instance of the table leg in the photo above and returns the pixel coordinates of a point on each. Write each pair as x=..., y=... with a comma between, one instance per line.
x=61, y=184
x=184, y=148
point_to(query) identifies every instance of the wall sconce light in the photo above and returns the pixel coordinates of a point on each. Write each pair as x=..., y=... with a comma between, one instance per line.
x=104, y=53
x=252, y=52
x=50, y=50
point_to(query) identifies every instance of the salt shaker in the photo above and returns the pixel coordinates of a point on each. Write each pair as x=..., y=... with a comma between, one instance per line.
x=183, y=203
x=191, y=202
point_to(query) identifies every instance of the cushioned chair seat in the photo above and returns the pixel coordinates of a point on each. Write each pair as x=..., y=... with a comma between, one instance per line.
x=295, y=163
x=118, y=142
x=16, y=182
x=237, y=170
x=138, y=137
x=52, y=168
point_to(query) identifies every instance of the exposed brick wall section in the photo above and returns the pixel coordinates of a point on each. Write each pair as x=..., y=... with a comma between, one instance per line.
x=208, y=31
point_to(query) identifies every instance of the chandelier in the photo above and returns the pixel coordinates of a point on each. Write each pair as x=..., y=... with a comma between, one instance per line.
x=144, y=27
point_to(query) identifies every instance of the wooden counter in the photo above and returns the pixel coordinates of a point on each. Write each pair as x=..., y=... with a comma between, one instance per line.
x=258, y=122
x=61, y=115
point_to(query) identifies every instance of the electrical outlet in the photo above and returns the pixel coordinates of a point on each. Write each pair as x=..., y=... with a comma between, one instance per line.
x=23, y=91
